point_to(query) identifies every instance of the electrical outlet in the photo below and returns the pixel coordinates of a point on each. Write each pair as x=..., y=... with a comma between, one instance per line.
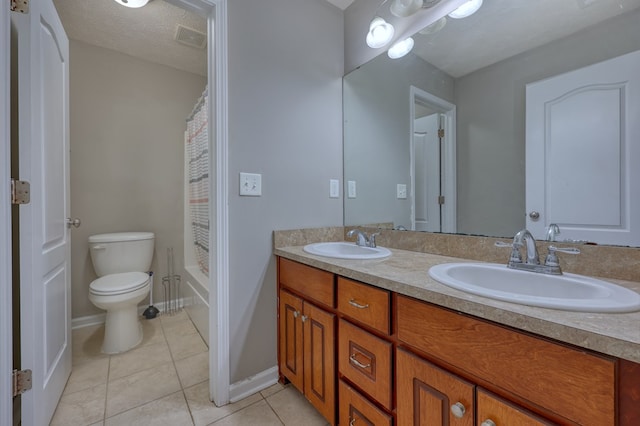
x=351, y=189
x=401, y=191
x=250, y=184
x=334, y=188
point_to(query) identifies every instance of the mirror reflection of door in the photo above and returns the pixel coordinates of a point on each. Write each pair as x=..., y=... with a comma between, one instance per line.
x=427, y=165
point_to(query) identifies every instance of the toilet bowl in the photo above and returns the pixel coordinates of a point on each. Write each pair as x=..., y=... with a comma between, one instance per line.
x=122, y=261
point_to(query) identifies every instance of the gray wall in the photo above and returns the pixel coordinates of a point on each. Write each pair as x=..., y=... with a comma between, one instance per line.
x=377, y=135
x=285, y=122
x=491, y=122
x=127, y=119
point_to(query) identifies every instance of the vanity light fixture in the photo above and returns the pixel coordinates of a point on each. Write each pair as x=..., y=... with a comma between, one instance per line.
x=380, y=33
x=401, y=48
x=466, y=9
x=132, y=3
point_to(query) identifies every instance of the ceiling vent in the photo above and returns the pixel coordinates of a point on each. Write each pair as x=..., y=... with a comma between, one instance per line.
x=190, y=37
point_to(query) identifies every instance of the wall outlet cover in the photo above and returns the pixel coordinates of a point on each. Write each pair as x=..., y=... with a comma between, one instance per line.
x=250, y=184
x=334, y=188
x=401, y=191
x=351, y=189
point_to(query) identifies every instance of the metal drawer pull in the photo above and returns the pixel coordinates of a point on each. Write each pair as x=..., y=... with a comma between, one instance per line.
x=353, y=421
x=488, y=422
x=357, y=363
x=353, y=302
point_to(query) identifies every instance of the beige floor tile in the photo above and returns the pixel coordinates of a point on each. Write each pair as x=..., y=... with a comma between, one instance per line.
x=168, y=320
x=142, y=387
x=266, y=393
x=87, y=375
x=151, y=331
x=81, y=408
x=293, y=409
x=86, y=344
x=138, y=359
x=184, y=326
x=193, y=370
x=205, y=412
x=183, y=346
x=257, y=414
x=171, y=410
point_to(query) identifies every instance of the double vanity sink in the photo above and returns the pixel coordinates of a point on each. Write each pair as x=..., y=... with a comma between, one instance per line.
x=570, y=292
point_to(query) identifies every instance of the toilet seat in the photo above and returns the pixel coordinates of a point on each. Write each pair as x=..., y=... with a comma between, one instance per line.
x=114, y=284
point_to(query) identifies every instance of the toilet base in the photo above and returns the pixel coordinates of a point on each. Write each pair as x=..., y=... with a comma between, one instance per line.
x=122, y=330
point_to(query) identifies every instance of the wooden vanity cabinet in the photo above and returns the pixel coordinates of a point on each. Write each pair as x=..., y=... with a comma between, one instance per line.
x=306, y=350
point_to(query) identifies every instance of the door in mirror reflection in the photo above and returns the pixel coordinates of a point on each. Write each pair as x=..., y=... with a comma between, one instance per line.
x=426, y=163
x=579, y=123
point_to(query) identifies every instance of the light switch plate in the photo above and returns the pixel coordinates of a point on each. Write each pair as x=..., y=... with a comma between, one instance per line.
x=401, y=191
x=250, y=184
x=351, y=189
x=334, y=188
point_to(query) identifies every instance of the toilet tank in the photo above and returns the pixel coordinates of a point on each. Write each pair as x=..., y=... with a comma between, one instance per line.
x=121, y=252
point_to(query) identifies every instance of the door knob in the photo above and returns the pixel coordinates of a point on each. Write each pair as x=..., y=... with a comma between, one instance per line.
x=73, y=222
x=534, y=215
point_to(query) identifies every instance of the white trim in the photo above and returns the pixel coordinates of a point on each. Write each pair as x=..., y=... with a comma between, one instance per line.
x=6, y=332
x=254, y=384
x=96, y=319
x=219, y=382
x=448, y=174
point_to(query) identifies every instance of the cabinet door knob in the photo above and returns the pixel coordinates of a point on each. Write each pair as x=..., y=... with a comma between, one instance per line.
x=304, y=318
x=488, y=422
x=458, y=410
x=353, y=302
x=296, y=314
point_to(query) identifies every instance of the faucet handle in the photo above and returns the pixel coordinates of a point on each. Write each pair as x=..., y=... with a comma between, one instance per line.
x=552, y=258
x=372, y=239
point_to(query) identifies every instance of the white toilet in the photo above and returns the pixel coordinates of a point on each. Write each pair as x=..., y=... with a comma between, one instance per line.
x=121, y=261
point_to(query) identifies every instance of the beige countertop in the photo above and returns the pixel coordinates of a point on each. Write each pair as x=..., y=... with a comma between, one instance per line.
x=406, y=272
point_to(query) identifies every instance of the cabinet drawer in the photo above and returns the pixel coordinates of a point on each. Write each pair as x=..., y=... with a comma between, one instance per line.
x=356, y=410
x=492, y=408
x=366, y=361
x=306, y=280
x=574, y=384
x=364, y=303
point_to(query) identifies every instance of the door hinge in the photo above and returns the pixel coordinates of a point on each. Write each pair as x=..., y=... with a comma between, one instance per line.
x=21, y=6
x=441, y=133
x=20, y=192
x=21, y=382
x=441, y=199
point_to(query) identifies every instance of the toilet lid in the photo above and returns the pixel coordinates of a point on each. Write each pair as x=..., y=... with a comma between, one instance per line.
x=119, y=283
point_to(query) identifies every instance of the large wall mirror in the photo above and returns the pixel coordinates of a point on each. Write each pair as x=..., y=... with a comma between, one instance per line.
x=455, y=136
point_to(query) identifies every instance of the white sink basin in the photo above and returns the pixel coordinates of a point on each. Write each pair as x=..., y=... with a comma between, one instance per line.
x=344, y=250
x=568, y=292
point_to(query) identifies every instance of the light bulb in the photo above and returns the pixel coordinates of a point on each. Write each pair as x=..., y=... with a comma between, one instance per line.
x=132, y=3
x=466, y=9
x=380, y=33
x=401, y=48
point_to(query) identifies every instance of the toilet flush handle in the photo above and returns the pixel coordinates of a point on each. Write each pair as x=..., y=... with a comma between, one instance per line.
x=73, y=222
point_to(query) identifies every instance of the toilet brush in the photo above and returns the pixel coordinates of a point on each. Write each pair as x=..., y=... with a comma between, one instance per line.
x=151, y=311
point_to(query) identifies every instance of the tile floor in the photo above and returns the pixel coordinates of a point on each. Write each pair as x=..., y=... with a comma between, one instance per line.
x=164, y=381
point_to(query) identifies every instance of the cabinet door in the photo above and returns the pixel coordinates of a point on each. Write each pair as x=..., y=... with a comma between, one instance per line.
x=430, y=396
x=290, y=328
x=319, y=362
x=495, y=411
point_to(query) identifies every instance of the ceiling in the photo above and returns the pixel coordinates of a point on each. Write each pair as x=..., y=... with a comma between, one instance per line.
x=147, y=32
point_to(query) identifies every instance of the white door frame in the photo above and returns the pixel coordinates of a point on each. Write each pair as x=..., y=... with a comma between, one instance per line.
x=6, y=332
x=216, y=12
x=448, y=153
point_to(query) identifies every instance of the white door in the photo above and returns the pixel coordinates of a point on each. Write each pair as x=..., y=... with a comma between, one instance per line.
x=45, y=300
x=426, y=157
x=583, y=151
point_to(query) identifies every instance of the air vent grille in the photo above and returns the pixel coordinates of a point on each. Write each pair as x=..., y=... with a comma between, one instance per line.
x=190, y=37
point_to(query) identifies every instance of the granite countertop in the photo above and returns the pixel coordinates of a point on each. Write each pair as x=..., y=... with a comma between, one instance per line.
x=406, y=272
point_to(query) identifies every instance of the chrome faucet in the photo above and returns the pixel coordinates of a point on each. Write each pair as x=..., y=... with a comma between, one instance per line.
x=551, y=263
x=362, y=239
x=552, y=231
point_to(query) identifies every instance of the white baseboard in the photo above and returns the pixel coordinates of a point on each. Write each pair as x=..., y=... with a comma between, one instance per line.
x=96, y=319
x=249, y=386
